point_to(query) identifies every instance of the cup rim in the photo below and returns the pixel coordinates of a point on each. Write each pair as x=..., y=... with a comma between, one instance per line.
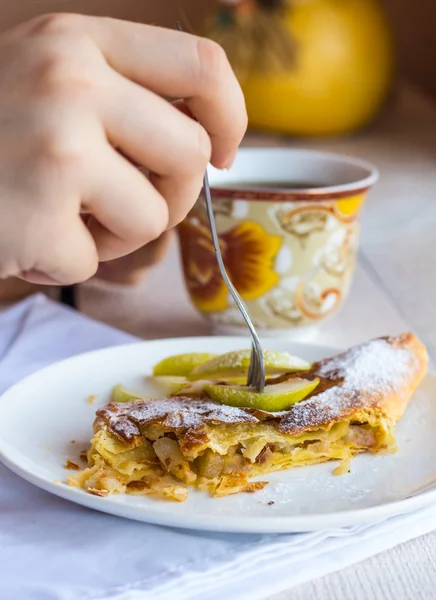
x=328, y=192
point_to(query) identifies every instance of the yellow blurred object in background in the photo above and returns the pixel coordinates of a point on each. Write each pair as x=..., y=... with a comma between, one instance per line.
x=340, y=75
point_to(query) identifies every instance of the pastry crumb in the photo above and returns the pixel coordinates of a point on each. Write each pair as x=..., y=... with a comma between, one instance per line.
x=84, y=456
x=271, y=502
x=96, y=492
x=91, y=399
x=343, y=467
x=71, y=466
x=57, y=481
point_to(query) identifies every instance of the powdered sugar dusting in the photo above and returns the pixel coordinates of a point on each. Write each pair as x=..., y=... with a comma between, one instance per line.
x=189, y=413
x=364, y=374
x=374, y=364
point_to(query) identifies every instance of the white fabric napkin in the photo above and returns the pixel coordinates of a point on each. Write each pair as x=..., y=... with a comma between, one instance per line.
x=54, y=550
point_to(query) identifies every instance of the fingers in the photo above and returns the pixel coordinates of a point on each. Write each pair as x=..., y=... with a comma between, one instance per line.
x=69, y=256
x=181, y=106
x=174, y=148
x=142, y=64
x=127, y=210
x=179, y=65
x=132, y=268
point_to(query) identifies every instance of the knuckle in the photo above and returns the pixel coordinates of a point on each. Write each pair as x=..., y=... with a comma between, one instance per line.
x=89, y=269
x=65, y=134
x=53, y=67
x=59, y=162
x=185, y=208
x=156, y=221
x=204, y=146
x=156, y=226
x=56, y=23
x=8, y=268
x=152, y=218
x=200, y=151
x=194, y=154
x=188, y=193
x=61, y=142
x=64, y=54
x=212, y=63
x=62, y=72
x=84, y=264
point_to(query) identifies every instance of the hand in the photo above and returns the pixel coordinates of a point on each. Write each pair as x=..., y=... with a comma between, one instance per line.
x=131, y=269
x=74, y=88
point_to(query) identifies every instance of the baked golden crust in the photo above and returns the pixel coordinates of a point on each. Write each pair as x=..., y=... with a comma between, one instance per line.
x=380, y=375
x=196, y=441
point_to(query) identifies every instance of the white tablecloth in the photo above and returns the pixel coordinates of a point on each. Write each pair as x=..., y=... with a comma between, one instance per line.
x=54, y=550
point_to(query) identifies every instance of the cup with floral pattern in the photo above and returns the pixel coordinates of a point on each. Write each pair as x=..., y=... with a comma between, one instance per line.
x=288, y=222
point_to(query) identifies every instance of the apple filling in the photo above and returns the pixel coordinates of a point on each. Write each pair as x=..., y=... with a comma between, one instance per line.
x=220, y=462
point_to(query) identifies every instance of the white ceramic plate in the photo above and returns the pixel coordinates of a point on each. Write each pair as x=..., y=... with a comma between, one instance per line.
x=41, y=415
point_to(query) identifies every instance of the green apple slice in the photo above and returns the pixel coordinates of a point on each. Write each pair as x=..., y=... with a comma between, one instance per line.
x=169, y=385
x=180, y=386
x=181, y=365
x=236, y=364
x=122, y=394
x=276, y=397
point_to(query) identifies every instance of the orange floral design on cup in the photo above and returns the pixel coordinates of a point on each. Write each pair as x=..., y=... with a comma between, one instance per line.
x=248, y=254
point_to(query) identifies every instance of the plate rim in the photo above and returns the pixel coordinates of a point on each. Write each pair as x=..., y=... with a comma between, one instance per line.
x=227, y=523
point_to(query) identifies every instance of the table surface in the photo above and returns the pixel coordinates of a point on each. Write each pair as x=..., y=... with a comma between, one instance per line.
x=394, y=290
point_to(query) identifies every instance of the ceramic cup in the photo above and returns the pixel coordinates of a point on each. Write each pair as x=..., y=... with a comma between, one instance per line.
x=288, y=222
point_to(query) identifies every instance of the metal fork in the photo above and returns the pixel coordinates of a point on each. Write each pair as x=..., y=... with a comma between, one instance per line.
x=256, y=370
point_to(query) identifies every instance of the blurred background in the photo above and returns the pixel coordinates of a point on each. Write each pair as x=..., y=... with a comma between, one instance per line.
x=412, y=23
x=351, y=76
